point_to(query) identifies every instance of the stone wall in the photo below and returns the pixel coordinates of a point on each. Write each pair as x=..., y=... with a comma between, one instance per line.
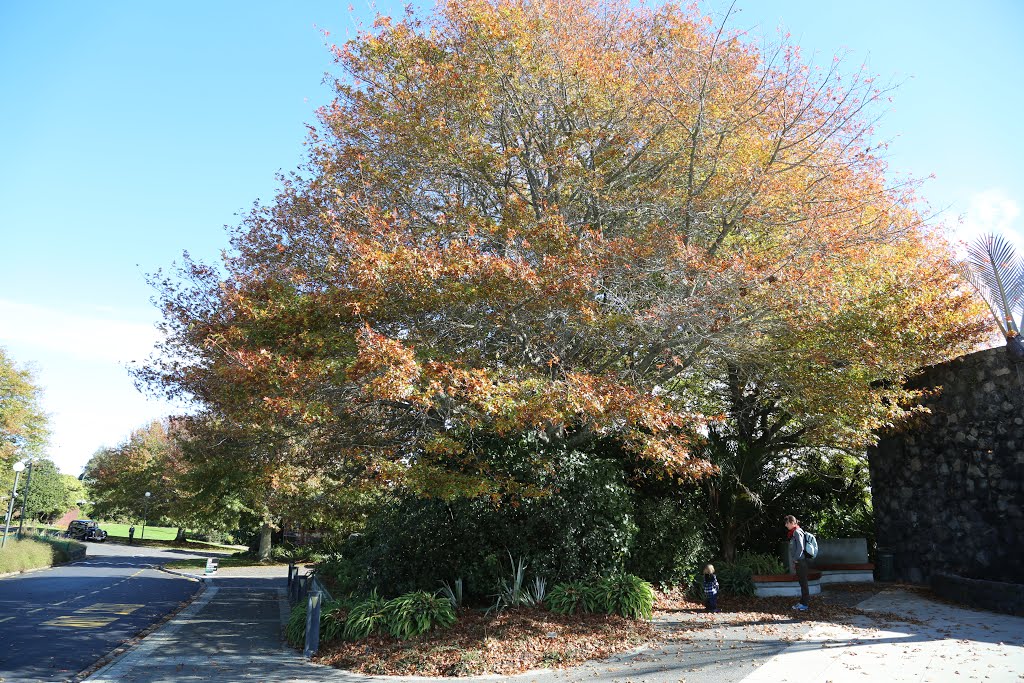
x=947, y=491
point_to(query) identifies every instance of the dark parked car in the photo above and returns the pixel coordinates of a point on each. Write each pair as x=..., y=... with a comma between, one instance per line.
x=86, y=530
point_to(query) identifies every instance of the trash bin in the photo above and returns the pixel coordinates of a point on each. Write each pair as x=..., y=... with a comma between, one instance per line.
x=886, y=568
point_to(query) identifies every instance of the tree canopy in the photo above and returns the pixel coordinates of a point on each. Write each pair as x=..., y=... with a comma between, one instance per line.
x=24, y=427
x=575, y=220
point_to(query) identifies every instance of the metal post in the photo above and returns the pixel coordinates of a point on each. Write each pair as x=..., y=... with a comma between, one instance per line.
x=10, y=508
x=145, y=519
x=24, y=498
x=312, y=624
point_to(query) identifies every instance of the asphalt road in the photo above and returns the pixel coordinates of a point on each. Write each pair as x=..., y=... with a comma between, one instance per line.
x=56, y=622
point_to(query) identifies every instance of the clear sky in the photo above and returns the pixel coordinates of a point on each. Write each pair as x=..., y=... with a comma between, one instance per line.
x=133, y=131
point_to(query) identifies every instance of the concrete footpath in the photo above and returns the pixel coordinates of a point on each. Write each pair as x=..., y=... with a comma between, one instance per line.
x=232, y=632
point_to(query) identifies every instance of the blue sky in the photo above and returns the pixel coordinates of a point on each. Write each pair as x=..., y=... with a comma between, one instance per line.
x=133, y=131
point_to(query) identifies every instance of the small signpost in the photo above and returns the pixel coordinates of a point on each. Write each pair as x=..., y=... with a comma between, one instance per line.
x=211, y=566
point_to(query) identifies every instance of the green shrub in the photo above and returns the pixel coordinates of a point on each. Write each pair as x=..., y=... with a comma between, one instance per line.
x=512, y=590
x=34, y=553
x=414, y=614
x=571, y=597
x=295, y=631
x=453, y=593
x=628, y=595
x=578, y=523
x=760, y=563
x=672, y=537
x=332, y=621
x=366, y=618
x=345, y=575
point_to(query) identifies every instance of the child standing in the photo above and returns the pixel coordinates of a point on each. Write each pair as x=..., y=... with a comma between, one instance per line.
x=711, y=588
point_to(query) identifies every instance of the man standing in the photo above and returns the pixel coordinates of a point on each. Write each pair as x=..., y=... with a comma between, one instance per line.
x=798, y=560
x=131, y=533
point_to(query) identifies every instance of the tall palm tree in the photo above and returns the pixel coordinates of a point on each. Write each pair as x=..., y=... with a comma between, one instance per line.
x=996, y=271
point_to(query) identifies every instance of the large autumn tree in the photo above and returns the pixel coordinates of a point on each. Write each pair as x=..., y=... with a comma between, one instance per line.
x=585, y=220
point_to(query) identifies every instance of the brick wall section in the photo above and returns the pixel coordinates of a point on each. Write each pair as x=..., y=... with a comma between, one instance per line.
x=949, y=492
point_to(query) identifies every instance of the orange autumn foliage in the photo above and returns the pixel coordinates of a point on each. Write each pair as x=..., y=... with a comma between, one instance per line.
x=564, y=218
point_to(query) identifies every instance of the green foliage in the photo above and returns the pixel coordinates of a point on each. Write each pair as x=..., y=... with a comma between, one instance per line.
x=512, y=590
x=295, y=631
x=578, y=523
x=627, y=595
x=414, y=614
x=736, y=578
x=571, y=597
x=760, y=563
x=624, y=594
x=333, y=616
x=344, y=574
x=24, y=426
x=33, y=553
x=672, y=537
x=366, y=618
x=453, y=593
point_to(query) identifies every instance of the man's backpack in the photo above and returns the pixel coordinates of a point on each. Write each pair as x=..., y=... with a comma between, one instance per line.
x=810, y=545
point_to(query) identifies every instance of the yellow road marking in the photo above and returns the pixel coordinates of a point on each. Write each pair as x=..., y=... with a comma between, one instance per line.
x=73, y=621
x=33, y=611
x=110, y=608
x=5, y=619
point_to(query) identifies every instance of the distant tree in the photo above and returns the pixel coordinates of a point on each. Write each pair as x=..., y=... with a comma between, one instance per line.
x=24, y=427
x=49, y=495
x=118, y=479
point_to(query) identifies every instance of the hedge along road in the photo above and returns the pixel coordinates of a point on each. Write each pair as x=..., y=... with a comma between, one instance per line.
x=57, y=622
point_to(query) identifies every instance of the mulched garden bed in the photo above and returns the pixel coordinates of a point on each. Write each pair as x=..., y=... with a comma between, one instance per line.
x=523, y=639
x=507, y=643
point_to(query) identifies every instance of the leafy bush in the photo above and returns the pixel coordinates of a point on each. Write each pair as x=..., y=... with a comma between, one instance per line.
x=333, y=616
x=295, y=631
x=414, y=614
x=672, y=537
x=736, y=578
x=628, y=595
x=366, y=618
x=624, y=594
x=344, y=575
x=453, y=593
x=760, y=563
x=20, y=555
x=576, y=521
x=511, y=590
x=571, y=597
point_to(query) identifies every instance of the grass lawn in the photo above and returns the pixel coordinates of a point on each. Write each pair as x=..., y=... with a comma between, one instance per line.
x=153, y=533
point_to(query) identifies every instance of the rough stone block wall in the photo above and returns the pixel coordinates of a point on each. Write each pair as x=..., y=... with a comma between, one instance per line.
x=948, y=492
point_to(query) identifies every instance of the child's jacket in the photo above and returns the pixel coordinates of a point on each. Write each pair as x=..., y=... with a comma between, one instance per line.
x=710, y=584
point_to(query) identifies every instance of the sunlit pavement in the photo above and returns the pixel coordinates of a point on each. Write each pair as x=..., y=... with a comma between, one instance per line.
x=58, y=621
x=232, y=633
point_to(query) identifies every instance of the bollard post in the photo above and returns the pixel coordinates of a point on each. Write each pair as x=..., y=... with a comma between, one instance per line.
x=312, y=624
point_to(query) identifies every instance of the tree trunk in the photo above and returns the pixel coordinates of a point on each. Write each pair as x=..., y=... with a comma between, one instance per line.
x=265, y=534
x=728, y=541
x=180, y=537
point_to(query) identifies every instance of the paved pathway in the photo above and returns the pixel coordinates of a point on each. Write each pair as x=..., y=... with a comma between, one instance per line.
x=232, y=633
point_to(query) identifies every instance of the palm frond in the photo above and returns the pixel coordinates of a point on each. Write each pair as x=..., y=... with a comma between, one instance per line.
x=995, y=269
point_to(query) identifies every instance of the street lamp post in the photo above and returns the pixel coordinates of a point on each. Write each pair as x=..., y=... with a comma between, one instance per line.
x=24, y=498
x=18, y=467
x=146, y=518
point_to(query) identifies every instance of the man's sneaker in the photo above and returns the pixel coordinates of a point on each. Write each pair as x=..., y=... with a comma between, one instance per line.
x=800, y=607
